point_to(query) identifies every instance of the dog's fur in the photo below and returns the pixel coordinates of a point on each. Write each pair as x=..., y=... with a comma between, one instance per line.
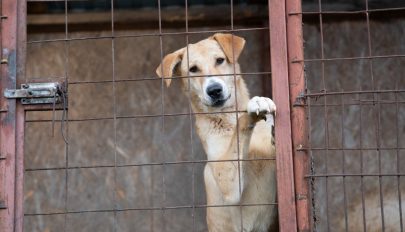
x=229, y=182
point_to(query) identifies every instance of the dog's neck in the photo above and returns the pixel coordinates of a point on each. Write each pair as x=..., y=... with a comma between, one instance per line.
x=220, y=126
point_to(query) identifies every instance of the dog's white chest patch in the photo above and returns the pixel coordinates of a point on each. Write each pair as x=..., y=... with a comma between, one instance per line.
x=217, y=146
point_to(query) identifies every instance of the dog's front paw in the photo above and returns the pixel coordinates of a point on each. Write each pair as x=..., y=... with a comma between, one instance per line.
x=260, y=106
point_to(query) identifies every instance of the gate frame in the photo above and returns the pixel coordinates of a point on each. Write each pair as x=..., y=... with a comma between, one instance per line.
x=288, y=83
x=13, y=38
x=283, y=142
x=299, y=131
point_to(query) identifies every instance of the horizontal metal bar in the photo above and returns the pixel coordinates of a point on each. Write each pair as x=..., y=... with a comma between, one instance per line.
x=54, y=0
x=147, y=164
x=158, y=79
x=157, y=34
x=138, y=116
x=351, y=104
x=350, y=149
x=349, y=58
x=146, y=208
x=320, y=94
x=354, y=175
x=347, y=12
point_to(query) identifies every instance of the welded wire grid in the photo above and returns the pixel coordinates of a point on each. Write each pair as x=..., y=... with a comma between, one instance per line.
x=355, y=108
x=68, y=213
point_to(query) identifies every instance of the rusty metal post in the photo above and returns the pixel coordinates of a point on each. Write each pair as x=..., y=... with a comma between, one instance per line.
x=298, y=119
x=20, y=115
x=280, y=85
x=8, y=115
x=13, y=37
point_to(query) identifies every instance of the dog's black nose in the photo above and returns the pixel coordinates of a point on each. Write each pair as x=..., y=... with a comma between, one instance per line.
x=214, y=91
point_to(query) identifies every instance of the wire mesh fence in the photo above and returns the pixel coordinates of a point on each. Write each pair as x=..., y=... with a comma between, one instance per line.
x=354, y=102
x=131, y=159
x=123, y=152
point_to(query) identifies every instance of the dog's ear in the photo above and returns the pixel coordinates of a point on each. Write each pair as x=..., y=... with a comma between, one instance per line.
x=232, y=45
x=167, y=68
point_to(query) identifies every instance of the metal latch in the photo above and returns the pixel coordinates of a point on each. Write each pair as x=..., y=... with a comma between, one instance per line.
x=37, y=93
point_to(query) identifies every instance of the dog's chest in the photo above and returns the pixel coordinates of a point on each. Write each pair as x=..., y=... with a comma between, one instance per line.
x=216, y=135
x=216, y=145
x=220, y=126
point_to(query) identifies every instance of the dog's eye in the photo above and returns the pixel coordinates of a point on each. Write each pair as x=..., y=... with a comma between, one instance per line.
x=220, y=61
x=193, y=69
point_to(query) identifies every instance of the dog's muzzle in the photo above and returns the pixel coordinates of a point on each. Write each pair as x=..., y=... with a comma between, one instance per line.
x=216, y=93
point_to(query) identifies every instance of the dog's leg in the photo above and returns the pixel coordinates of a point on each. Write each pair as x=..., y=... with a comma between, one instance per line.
x=230, y=175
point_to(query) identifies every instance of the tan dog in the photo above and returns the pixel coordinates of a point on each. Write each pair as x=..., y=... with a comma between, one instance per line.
x=231, y=183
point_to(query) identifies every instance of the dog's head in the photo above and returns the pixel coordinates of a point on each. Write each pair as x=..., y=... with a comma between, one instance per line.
x=211, y=64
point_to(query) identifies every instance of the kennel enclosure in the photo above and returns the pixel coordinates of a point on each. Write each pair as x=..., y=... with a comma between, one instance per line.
x=336, y=79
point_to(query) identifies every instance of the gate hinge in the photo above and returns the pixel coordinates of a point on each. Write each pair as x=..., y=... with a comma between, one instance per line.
x=37, y=93
x=2, y=205
x=300, y=100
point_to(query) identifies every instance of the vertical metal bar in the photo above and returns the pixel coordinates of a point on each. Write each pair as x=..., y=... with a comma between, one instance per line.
x=8, y=119
x=19, y=174
x=20, y=116
x=240, y=163
x=311, y=165
x=343, y=161
x=363, y=204
x=298, y=120
x=162, y=86
x=325, y=115
x=280, y=85
x=398, y=160
x=377, y=116
x=190, y=121
x=114, y=115
x=66, y=130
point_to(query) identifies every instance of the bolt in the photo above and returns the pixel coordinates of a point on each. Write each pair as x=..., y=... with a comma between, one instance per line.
x=301, y=196
x=4, y=61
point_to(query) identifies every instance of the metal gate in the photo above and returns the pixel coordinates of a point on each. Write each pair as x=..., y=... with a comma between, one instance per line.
x=354, y=108
x=68, y=214
x=338, y=139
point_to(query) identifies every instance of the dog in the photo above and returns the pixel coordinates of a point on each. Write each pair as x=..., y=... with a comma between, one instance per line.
x=239, y=190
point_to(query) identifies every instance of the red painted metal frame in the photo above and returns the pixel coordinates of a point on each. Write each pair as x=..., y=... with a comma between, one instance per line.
x=280, y=85
x=298, y=117
x=8, y=117
x=12, y=115
x=20, y=117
